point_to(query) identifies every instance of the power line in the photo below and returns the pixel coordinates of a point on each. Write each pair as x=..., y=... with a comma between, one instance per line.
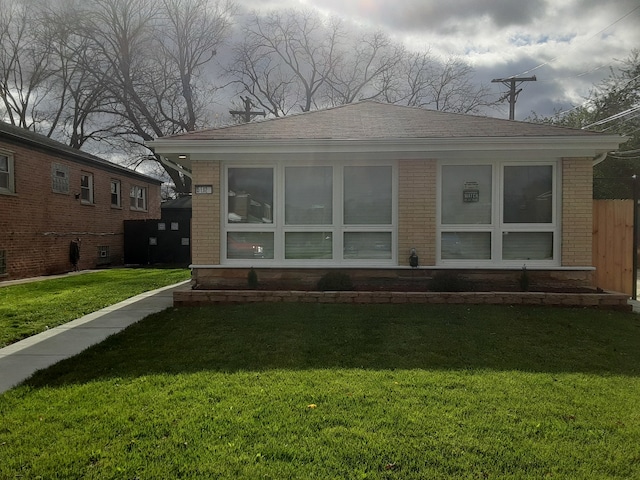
x=512, y=96
x=588, y=39
x=617, y=116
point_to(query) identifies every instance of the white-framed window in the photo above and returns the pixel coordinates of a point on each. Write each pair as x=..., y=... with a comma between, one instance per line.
x=116, y=193
x=138, y=198
x=86, y=187
x=3, y=262
x=498, y=212
x=60, y=178
x=325, y=213
x=7, y=175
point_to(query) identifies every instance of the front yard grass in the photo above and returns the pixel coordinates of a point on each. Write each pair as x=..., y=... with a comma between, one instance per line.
x=313, y=391
x=31, y=308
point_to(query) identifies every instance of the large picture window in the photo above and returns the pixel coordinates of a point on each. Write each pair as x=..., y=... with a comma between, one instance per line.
x=305, y=214
x=498, y=212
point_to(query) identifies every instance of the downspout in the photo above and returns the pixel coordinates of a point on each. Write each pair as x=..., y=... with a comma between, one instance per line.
x=599, y=158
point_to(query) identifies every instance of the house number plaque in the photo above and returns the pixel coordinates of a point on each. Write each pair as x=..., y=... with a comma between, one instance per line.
x=203, y=189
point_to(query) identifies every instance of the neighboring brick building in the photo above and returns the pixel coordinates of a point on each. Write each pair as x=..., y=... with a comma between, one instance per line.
x=358, y=187
x=51, y=195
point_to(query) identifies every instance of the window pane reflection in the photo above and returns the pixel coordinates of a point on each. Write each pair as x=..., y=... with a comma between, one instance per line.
x=466, y=245
x=308, y=245
x=367, y=195
x=528, y=194
x=308, y=195
x=248, y=245
x=374, y=245
x=527, y=245
x=250, y=192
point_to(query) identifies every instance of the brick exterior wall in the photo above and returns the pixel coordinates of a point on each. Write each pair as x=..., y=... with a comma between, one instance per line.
x=417, y=210
x=417, y=216
x=37, y=224
x=205, y=223
x=577, y=212
x=605, y=301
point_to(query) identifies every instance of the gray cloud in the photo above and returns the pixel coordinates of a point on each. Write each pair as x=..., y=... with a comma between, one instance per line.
x=568, y=44
x=437, y=15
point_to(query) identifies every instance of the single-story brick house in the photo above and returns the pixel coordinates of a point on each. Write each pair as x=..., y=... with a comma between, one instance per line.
x=52, y=195
x=360, y=187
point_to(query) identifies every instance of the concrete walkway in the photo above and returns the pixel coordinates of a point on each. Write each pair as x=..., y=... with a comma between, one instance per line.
x=20, y=360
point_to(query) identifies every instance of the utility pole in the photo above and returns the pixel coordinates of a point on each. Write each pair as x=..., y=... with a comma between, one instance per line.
x=513, y=93
x=247, y=113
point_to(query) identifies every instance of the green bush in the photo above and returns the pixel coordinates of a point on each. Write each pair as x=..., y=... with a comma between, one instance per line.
x=334, y=281
x=252, y=279
x=524, y=280
x=449, y=282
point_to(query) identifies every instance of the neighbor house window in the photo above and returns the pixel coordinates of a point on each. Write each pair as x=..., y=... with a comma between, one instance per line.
x=138, y=198
x=59, y=178
x=86, y=187
x=7, y=180
x=104, y=255
x=3, y=262
x=498, y=212
x=116, y=193
x=314, y=213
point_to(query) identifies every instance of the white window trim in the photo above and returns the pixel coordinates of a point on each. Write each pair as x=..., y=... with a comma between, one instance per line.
x=137, y=189
x=279, y=228
x=91, y=199
x=118, y=184
x=11, y=190
x=497, y=225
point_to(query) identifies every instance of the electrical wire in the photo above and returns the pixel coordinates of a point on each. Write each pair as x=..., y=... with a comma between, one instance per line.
x=614, y=117
x=589, y=39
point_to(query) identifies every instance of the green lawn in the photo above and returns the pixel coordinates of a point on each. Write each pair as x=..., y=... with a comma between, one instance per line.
x=313, y=391
x=31, y=308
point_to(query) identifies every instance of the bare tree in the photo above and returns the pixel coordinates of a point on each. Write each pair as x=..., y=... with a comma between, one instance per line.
x=363, y=64
x=285, y=59
x=422, y=80
x=297, y=59
x=149, y=58
x=26, y=64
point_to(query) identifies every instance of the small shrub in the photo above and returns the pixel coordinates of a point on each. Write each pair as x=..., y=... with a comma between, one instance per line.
x=524, y=280
x=252, y=279
x=449, y=282
x=334, y=281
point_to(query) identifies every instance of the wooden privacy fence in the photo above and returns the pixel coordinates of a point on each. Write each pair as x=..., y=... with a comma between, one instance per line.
x=613, y=245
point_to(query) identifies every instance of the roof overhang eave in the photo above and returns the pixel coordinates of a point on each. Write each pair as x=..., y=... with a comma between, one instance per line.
x=576, y=146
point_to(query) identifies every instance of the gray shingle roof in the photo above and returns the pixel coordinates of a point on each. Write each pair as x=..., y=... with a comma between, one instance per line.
x=12, y=133
x=370, y=119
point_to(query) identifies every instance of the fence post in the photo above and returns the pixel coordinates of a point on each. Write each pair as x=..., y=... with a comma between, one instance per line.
x=634, y=287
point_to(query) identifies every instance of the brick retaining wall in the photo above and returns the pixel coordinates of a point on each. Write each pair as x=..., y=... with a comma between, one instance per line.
x=607, y=300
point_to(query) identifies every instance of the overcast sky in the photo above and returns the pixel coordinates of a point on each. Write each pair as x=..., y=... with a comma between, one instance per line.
x=569, y=45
